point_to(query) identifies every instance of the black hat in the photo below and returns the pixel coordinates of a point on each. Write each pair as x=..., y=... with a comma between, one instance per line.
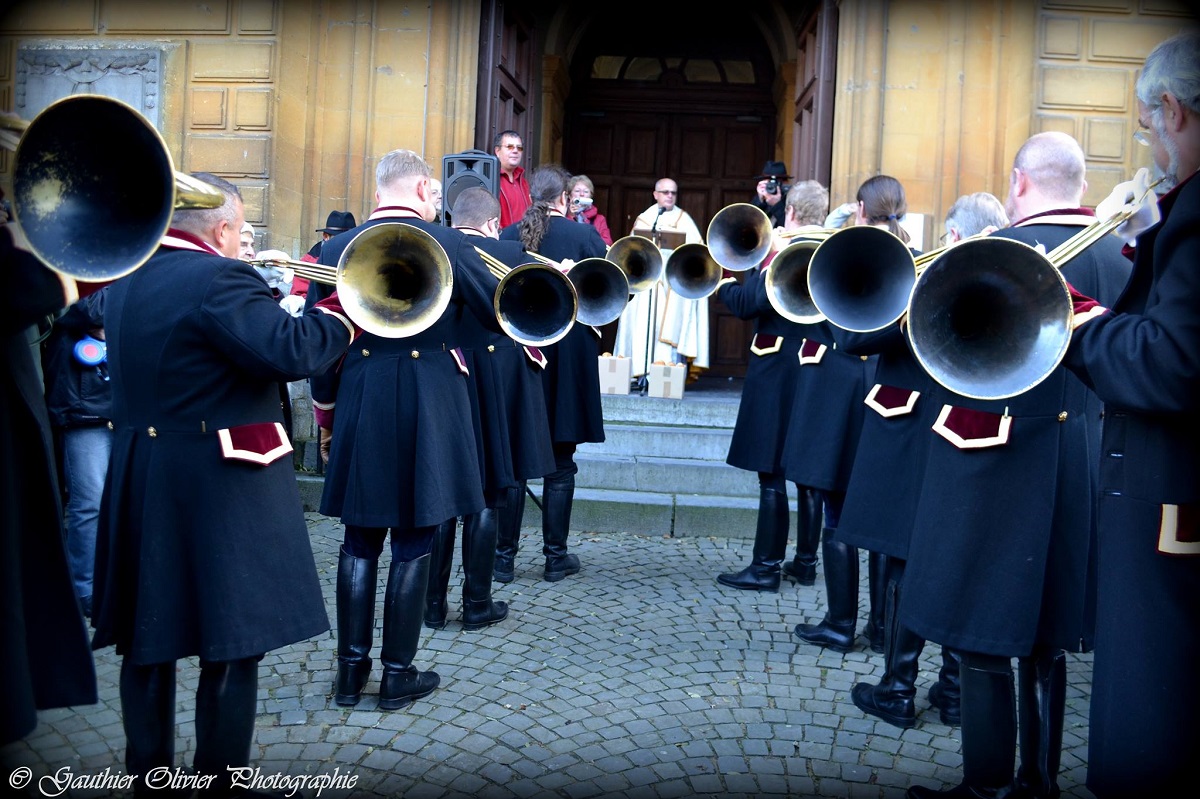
x=775, y=169
x=338, y=222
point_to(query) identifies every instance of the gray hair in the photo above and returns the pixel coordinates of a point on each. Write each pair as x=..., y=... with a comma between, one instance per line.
x=1054, y=162
x=200, y=220
x=398, y=165
x=809, y=201
x=971, y=213
x=1172, y=67
x=585, y=180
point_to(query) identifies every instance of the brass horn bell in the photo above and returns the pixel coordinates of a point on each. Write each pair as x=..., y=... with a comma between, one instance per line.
x=536, y=304
x=860, y=278
x=990, y=319
x=786, y=280
x=739, y=237
x=640, y=259
x=602, y=289
x=692, y=272
x=94, y=187
x=394, y=280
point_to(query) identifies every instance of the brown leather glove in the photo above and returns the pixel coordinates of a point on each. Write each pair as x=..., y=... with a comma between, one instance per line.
x=325, y=441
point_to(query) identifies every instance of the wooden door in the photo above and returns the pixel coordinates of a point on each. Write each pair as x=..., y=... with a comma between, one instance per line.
x=712, y=157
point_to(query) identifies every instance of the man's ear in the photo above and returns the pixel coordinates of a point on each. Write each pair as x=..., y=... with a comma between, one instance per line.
x=1173, y=112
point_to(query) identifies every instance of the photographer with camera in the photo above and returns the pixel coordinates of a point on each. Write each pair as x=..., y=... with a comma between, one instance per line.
x=772, y=189
x=582, y=208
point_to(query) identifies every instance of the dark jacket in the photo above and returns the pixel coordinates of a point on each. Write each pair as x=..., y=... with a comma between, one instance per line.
x=77, y=395
x=45, y=661
x=199, y=553
x=405, y=452
x=572, y=377
x=1143, y=361
x=1002, y=546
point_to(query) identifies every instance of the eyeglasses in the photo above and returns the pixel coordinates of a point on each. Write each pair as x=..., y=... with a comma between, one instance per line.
x=665, y=191
x=517, y=147
x=1142, y=134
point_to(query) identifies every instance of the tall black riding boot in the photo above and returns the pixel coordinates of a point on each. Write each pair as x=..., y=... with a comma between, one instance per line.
x=946, y=693
x=148, y=715
x=893, y=698
x=478, y=559
x=403, y=606
x=441, y=564
x=989, y=731
x=508, y=534
x=558, y=493
x=226, y=700
x=836, y=631
x=356, y=626
x=1041, y=705
x=770, y=545
x=803, y=567
x=877, y=588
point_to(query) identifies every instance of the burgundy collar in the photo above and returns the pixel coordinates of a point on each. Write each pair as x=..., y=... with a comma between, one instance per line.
x=176, y=239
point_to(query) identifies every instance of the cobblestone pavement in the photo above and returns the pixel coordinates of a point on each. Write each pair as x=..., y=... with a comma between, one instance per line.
x=639, y=677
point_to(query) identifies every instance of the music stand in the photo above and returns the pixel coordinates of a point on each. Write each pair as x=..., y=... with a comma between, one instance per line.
x=666, y=241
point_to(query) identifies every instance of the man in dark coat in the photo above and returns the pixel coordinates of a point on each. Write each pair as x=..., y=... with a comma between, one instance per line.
x=571, y=380
x=1002, y=546
x=765, y=411
x=404, y=456
x=514, y=436
x=202, y=548
x=1143, y=361
x=45, y=660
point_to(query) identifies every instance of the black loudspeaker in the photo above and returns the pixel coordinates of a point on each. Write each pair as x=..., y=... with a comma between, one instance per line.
x=466, y=170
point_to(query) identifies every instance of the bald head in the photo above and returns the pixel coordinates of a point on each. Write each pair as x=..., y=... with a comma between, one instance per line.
x=1047, y=174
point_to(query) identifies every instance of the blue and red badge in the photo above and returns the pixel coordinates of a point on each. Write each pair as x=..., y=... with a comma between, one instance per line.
x=90, y=351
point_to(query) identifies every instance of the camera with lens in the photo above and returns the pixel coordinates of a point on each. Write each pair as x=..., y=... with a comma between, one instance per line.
x=772, y=186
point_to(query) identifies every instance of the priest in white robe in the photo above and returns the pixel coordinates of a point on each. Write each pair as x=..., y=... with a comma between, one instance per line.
x=657, y=324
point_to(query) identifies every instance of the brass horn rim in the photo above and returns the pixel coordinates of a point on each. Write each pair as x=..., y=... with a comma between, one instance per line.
x=637, y=244
x=746, y=258
x=360, y=304
x=599, y=314
x=515, y=333
x=709, y=280
x=42, y=178
x=808, y=314
x=1025, y=267
x=831, y=309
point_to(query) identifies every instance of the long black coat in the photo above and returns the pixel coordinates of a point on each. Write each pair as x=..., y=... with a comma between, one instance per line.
x=572, y=377
x=768, y=392
x=198, y=554
x=405, y=451
x=999, y=561
x=519, y=371
x=45, y=661
x=1143, y=361
x=889, y=463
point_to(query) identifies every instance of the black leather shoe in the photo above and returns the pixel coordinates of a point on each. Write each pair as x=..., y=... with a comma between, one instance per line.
x=949, y=710
x=895, y=710
x=754, y=577
x=830, y=636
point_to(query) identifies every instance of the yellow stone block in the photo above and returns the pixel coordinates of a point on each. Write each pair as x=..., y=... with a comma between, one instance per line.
x=208, y=108
x=234, y=62
x=252, y=109
x=156, y=16
x=230, y=155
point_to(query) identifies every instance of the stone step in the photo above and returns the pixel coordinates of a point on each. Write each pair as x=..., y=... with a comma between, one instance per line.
x=705, y=409
x=662, y=441
x=644, y=512
x=652, y=474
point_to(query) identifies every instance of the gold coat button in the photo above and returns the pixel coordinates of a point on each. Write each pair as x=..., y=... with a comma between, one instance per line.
x=366, y=352
x=110, y=425
x=1062, y=416
x=153, y=433
x=863, y=357
x=491, y=348
x=416, y=354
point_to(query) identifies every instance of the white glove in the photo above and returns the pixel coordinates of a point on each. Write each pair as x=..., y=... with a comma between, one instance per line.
x=1136, y=198
x=840, y=215
x=293, y=304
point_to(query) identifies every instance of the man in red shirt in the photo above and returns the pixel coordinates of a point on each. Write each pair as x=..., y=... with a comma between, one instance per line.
x=514, y=188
